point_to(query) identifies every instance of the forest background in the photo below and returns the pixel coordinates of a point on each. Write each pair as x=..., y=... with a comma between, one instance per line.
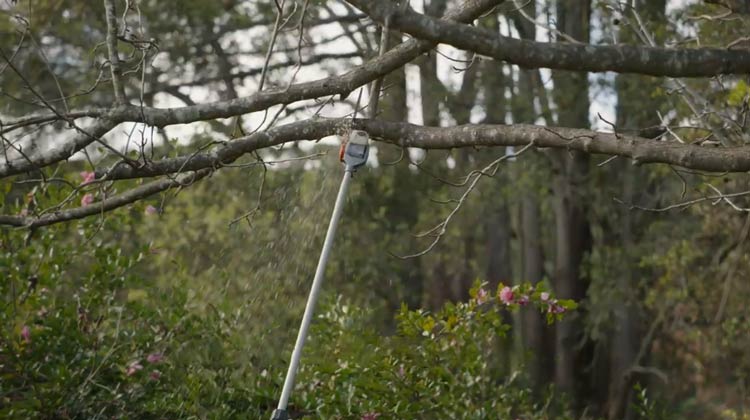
x=182, y=299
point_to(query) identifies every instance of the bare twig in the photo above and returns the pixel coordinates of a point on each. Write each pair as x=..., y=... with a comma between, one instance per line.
x=274, y=35
x=439, y=230
x=114, y=58
x=732, y=270
x=378, y=83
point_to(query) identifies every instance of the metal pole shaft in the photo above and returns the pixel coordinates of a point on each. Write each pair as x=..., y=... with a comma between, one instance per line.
x=312, y=298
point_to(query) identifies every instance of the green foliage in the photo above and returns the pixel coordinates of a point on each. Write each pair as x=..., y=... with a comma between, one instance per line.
x=437, y=365
x=649, y=409
x=85, y=305
x=87, y=336
x=738, y=93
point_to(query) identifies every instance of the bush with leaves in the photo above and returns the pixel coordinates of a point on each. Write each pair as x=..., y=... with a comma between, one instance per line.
x=86, y=337
x=441, y=365
x=101, y=322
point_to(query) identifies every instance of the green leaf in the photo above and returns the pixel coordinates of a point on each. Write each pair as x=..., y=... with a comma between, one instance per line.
x=738, y=93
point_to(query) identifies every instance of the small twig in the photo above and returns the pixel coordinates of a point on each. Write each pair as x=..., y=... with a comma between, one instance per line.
x=301, y=25
x=688, y=203
x=114, y=58
x=739, y=253
x=274, y=34
x=378, y=83
x=440, y=229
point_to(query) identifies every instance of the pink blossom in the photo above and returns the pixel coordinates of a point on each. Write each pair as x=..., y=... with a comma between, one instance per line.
x=24, y=212
x=133, y=368
x=401, y=372
x=87, y=177
x=370, y=416
x=555, y=308
x=506, y=295
x=154, y=375
x=523, y=300
x=155, y=357
x=482, y=296
x=26, y=334
x=87, y=199
x=150, y=210
x=544, y=296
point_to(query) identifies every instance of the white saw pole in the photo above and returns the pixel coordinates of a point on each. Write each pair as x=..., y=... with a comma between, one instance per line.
x=355, y=155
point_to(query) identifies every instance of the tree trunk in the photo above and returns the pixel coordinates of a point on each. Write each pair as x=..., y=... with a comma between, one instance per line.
x=536, y=336
x=497, y=223
x=403, y=200
x=635, y=111
x=573, y=233
x=431, y=88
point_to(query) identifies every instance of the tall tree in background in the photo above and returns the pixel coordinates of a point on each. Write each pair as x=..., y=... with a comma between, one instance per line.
x=537, y=337
x=573, y=230
x=635, y=112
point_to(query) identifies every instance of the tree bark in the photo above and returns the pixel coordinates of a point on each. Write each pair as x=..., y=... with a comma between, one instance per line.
x=620, y=58
x=537, y=338
x=403, y=200
x=573, y=233
x=635, y=111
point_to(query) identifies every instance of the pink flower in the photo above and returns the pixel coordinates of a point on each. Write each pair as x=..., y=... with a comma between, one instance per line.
x=544, y=296
x=133, y=368
x=506, y=295
x=370, y=416
x=26, y=334
x=24, y=212
x=482, y=296
x=401, y=372
x=150, y=210
x=555, y=308
x=523, y=300
x=155, y=357
x=154, y=375
x=87, y=199
x=87, y=177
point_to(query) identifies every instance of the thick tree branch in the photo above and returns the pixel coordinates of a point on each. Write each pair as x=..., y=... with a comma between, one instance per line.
x=42, y=118
x=36, y=158
x=46, y=117
x=231, y=151
x=640, y=150
x=160, y=117
x=698, y=62
x=196, y=166
x=341, y=85
x=105, y=205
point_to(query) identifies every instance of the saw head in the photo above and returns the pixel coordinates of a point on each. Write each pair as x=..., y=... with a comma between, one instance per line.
x=357, y=149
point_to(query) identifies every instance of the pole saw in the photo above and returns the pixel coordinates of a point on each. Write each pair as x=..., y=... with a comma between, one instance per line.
x=354, y=154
